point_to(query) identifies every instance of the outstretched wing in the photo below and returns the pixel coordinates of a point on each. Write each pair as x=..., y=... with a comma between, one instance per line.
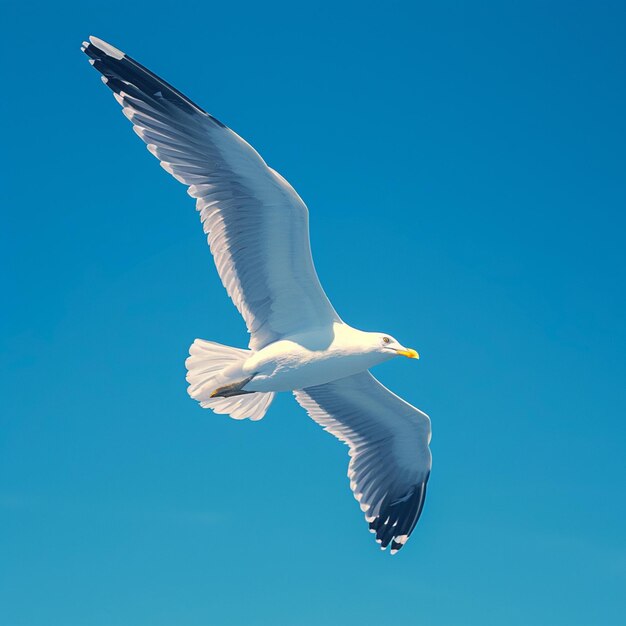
x=257, y=225
x=390, y=459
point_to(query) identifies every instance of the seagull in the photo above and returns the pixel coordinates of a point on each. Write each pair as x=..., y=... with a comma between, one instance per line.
x=258, y=232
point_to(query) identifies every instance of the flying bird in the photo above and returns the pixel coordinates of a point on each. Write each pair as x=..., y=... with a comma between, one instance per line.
x=258, y=233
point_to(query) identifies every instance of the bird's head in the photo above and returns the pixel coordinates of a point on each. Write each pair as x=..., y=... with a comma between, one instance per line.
x=389, y=346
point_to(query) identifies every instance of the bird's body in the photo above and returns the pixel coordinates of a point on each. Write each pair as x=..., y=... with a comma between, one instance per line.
x=311, y=358
x=257, y=228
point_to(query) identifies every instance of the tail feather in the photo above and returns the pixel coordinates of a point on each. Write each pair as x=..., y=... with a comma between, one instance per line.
x=252, y=406
x=212, y=365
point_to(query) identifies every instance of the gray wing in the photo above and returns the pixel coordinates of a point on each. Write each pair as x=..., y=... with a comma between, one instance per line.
x=256, y=223
x=390, y=458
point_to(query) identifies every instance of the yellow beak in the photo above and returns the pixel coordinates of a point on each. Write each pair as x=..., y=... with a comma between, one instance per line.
x=409, y=353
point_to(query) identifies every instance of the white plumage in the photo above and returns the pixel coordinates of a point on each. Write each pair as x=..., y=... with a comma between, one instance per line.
x=257, y=228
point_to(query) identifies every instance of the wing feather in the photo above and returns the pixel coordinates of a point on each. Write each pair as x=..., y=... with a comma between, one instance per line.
x=389, y=455
x=256, y=224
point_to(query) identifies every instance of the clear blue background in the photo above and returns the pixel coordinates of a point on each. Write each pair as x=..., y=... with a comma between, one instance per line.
x=464, y=165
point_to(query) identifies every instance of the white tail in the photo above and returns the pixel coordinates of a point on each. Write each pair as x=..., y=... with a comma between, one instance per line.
x=212, y=365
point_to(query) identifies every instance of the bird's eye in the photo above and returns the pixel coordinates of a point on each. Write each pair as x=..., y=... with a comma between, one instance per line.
x=386, y=340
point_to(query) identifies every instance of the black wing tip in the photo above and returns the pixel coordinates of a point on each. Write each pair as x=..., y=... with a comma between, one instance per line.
x=397, y=518
x=120, y=71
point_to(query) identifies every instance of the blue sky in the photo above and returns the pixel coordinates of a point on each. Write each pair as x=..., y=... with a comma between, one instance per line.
x=464, y=167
